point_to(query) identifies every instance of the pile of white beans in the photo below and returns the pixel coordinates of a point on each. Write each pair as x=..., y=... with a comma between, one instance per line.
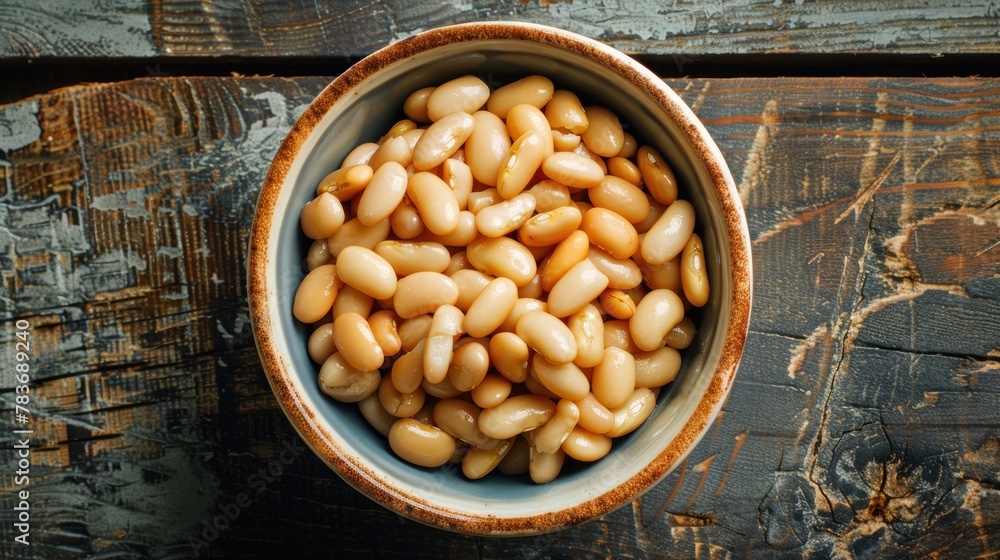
x=501, y=280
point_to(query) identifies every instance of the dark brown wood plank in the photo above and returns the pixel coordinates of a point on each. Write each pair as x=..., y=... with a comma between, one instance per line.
x=341, y=28
x=863, y=419
x=863, y=343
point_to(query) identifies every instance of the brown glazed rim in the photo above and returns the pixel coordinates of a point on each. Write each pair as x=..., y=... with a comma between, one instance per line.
x=322, y=439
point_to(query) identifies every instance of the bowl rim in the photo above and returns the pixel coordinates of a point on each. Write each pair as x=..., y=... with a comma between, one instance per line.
x=351, y=468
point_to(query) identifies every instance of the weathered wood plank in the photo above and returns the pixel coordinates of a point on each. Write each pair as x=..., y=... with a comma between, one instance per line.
x=864, y=340
x=69, y=28
x=125, y=218
x=863, y=419
x=340, y=28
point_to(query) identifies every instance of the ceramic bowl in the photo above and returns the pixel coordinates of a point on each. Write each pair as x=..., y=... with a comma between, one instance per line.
x=362, y=103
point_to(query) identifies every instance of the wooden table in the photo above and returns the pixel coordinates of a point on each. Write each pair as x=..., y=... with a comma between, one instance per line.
x=865, y=418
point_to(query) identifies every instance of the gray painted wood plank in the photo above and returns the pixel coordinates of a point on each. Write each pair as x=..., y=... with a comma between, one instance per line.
x=349, y=28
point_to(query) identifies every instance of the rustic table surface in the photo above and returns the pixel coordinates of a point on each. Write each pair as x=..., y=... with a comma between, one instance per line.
x=865, y=418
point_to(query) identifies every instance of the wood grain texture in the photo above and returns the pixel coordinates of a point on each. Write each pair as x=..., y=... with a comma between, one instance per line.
x=274, y=28
x=862, y=422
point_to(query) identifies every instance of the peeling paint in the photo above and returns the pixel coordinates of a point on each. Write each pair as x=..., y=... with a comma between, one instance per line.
x=171, y=252
x=234, y=172
x=130, y=201
x=108, y=272
x=112, y=28
x=19, y=125
x=131, y=498
x=461, y=5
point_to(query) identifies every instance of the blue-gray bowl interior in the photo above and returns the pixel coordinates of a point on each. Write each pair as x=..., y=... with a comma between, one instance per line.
x=365, y=117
